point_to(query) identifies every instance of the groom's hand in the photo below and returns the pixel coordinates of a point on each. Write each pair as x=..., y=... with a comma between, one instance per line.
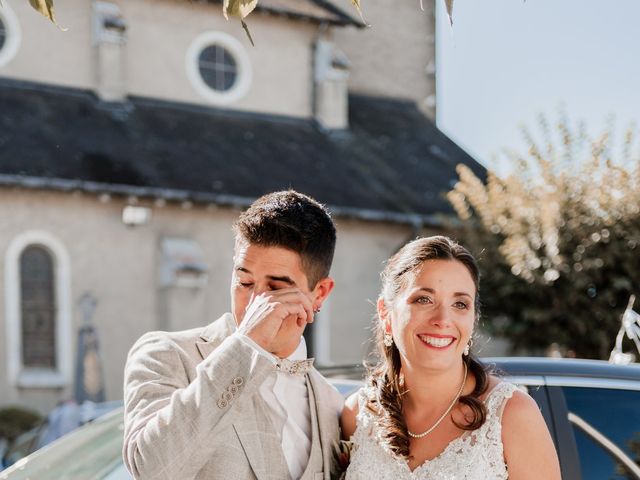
x=276, y=319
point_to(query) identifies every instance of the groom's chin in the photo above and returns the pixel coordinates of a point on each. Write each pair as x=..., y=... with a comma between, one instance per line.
x=286, y=348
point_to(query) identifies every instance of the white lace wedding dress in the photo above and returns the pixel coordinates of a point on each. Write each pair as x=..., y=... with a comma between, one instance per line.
x=476, y=455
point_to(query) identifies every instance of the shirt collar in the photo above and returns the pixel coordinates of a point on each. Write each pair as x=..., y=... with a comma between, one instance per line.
x=299, y=353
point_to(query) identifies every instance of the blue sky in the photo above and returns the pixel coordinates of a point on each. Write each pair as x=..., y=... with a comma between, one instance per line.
x=505, y=61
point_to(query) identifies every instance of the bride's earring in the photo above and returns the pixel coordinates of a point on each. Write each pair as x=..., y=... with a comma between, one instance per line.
x=388, y=338
x=467, y=347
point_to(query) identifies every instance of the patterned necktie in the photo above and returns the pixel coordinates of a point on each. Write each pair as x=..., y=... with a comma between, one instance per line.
x=294, y=367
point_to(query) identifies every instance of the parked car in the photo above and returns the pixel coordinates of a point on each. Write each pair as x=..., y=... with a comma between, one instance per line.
x=63, y=419
x=592, y=409
x=94, y=451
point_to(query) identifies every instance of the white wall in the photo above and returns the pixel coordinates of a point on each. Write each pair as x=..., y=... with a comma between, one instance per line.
x=159, y=33
x=392, y=57
x=119, y=266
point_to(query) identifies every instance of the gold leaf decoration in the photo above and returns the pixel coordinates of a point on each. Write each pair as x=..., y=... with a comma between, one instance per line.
x=45, y=7
x=449, y=4
x=356, y=3
x=241, y=9
x=238, y=8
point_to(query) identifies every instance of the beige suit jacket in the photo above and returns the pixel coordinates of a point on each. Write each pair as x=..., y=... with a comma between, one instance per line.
x=193, y=411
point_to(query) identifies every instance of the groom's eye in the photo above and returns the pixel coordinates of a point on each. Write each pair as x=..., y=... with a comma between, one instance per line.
x=277, y=285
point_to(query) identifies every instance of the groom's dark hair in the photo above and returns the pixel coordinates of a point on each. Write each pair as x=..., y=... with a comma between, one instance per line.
x=294, y=221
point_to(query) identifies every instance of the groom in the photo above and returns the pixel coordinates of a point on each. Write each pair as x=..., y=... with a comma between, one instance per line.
x=238, y=399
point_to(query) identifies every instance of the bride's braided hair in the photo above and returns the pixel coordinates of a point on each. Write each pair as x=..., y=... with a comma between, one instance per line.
x=385, y=389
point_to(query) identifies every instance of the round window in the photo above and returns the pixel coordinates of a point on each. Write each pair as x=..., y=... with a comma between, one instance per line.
x=3, y=34
x=218, y=68
x=9, y=34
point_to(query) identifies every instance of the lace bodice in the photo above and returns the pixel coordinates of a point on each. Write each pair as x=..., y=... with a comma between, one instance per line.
x=476, y=455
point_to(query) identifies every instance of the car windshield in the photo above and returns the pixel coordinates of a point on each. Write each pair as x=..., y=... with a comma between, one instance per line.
x=91, y=452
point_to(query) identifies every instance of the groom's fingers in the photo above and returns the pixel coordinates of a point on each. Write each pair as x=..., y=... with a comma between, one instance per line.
x=293, y=295
x=267, y=312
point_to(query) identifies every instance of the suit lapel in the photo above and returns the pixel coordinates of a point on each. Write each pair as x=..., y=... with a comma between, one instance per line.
x=260, y=442
x=205, y=348
x=326, y=431
x=214, y=334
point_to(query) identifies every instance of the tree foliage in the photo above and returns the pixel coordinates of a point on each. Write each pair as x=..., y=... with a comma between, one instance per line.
x=559, y=237
x=17, y=420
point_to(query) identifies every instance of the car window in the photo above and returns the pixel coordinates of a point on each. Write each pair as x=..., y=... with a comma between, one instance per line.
x=606, y=425
x=346, y=387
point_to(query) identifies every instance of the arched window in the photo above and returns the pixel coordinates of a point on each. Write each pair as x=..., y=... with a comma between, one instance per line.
x=38, y=311
x=3, y=33
x=37, y=308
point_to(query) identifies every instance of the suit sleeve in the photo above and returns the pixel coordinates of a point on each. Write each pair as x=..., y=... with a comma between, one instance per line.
x=170, y=424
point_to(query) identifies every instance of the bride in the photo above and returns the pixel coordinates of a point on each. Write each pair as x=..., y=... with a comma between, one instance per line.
x=429, y=409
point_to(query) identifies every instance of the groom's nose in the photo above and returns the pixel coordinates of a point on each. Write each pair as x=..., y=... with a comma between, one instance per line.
x=259, y=288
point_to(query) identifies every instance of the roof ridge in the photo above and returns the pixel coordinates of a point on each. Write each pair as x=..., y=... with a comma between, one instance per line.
x=343, y=17
x=329, y=6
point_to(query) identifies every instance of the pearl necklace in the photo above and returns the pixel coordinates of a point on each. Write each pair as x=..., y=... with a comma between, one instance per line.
x=455, y=400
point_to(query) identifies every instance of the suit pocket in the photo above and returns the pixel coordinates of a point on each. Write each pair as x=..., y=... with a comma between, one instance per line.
x=318, y=476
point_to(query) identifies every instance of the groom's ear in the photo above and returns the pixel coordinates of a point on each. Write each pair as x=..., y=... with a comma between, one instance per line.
x=322, y=290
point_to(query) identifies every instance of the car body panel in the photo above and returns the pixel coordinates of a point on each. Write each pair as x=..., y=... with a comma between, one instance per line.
x=93, y=452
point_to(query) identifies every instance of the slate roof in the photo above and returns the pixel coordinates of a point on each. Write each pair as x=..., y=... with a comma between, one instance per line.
x=392, y=164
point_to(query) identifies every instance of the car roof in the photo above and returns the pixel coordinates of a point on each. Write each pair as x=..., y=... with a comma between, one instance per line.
x=519, y=366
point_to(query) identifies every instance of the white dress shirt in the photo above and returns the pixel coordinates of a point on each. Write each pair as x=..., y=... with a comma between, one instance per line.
x=287, y=400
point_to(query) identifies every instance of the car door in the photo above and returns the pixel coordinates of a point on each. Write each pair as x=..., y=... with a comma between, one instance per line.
x=597, y=427
x=550, y=402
